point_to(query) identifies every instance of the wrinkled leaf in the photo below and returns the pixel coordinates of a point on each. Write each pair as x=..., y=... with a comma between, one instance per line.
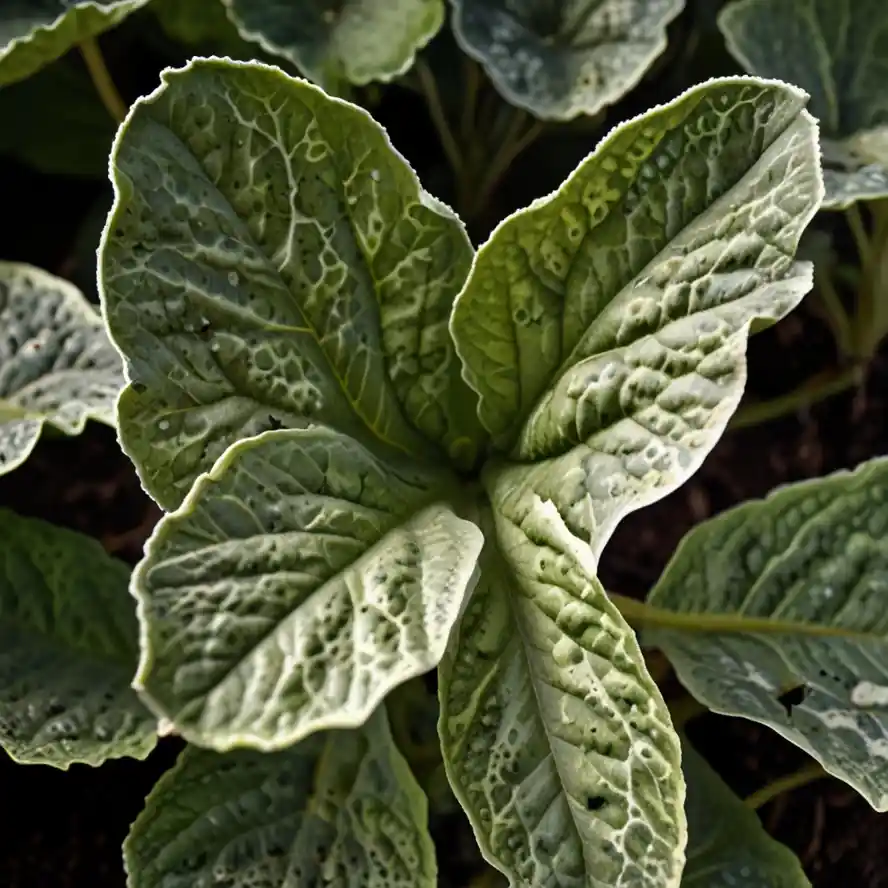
x=605, y=330
x=834, y=49
x=270, y=259
x=300, y=581
x=556, y=740
x=605, y=327
x=336, y=44
x=788, y=594
x=56, y=364
x=339, y=809
x=68, y=650
x=560, y=60
x=727, y=845
x=34, y=33
x=637, y=279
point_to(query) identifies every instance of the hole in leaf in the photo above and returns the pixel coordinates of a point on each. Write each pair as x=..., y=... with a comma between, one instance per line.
x=793, y=697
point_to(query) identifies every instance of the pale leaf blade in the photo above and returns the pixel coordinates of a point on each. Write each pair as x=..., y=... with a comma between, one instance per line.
x=340, y=808
x=556, y=740
x=351, y=43
x=560, y=60
x=301, y=580
x=788, y=593
x=56, y=363
x=34, y=33
x=727, y=845
x=831, y=48
x=676, y=233
x=270, y=259
x=68, y=650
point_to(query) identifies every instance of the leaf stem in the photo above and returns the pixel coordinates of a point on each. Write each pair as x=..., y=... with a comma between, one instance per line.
x=820, y=387
x=641, y=614
x=836, y=316
x=101, y=78
x=859, y=233
x=514, y=143
x=806, y=774
x=439, y=117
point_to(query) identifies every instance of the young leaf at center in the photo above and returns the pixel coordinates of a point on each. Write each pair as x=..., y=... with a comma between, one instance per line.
x=301, y=580
x=786, y=596
x=339, y=809
x=604, y=329
x=271, y=260
x=68, y=649
x=56, y=363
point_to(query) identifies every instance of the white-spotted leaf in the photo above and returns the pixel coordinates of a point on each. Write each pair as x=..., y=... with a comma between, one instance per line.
x=605, y=327
x=56, y=363
x=556, y=740
x=339, y=809
x=788, y=594
x=271, y=260
x=68, y=650
x=605, y=331
x=353, y=42
x=727, y=845
x=34, y=33
x=301, y=580
x=560, y=60
x=834, y=49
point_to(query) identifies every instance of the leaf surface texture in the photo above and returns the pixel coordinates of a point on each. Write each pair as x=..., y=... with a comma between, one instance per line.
x=301, y=580
x=56, y=363
x=338, y=809
x=786, y=595
x=271, y=260
x=68, y=650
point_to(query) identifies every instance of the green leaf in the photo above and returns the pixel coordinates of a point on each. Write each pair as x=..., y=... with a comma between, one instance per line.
x=561, y=60
x=788, y=593
x=56, y=364
x=338, y=809
x=612, y=316
x=34, y=33
x=68, y=649
x=727, y=845
x=300, y=581
x=204, y=23
x=834, y=50
x=556, y=740
x=270, y=259
x=336, y=44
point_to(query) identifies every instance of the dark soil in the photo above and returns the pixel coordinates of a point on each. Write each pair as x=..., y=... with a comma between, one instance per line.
x=64, y=829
